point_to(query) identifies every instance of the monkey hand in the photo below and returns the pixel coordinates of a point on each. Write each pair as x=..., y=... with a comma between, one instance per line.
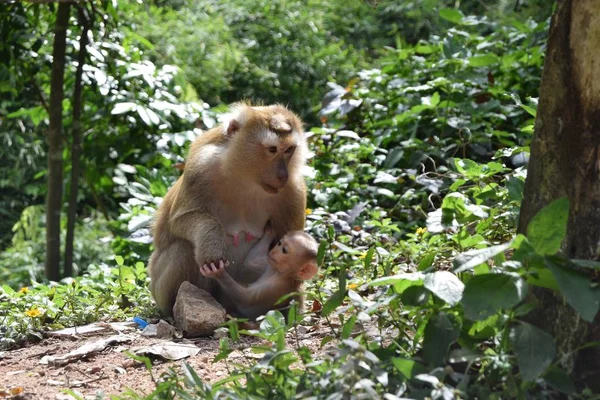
x=214, y=270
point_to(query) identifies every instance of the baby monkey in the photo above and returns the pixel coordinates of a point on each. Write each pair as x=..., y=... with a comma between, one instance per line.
x=292, y=261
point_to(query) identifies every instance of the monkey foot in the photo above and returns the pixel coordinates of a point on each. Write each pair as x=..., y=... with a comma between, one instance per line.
x=236, y=239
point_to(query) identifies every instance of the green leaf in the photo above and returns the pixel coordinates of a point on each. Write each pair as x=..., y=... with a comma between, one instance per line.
x=338, y=297
x=484, y=60
x=445, y=285
x=369, y=257
x=577, y=290
x=408, y=368
x=427, y=260
x=452, y=15
x=535, y=349
x=333, y=302
x=440, y=333
x=548, y=228
x=321, y=252
x=486, y=294
x=398, y=278
x=119, y=260
x=559, y=380
x=472, y=258
x=415, y=296
x=121, y=108
x=591, y=264
x=348, y=326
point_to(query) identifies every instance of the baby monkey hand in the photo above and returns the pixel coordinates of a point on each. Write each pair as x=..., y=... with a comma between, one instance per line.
x=213, y=270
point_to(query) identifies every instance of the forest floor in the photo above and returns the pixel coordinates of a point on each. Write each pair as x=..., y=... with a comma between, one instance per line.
x=25, y=373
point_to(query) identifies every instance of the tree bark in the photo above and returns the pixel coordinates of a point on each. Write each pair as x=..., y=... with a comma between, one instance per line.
x=55, y=158
x=76, y=144
x=565, y=161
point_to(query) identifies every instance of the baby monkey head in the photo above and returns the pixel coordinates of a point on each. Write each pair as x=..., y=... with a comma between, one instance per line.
x=295, y=255
x=267, y=145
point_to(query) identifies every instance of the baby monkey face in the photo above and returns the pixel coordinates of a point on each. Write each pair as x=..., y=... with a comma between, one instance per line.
x=285, y=256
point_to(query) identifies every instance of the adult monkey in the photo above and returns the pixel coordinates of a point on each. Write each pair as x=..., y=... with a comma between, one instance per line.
x=238, y=177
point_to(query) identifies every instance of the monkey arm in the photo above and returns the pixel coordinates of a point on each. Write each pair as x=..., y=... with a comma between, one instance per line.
x=205, y=233
x=242, y=296
x=257, y=257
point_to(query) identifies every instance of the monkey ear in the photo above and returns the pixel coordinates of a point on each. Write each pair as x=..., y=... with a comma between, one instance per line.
x=307, y=271
x=235, y=119
x=232, y=127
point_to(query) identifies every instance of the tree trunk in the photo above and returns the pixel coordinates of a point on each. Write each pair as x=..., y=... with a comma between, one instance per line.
x=76, y=145
x=565, y=161
x=55, y=157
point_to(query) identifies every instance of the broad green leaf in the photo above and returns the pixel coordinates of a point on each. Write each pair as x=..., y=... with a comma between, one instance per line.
x=445, y=285
x=427, y=260
x=435, y=99
x=535, y=349
x=452, y=15
x=559, y=380
x=440, y=333
x=348, y=326
x=472, y=258
x=577, y=290
x=415, y=296
x=542, y=277
x=408, y=368
x=484, y=60
x=398, y=278
x=548, y=228
x=333, y=302
x=591, y=264
x=121, y=108
x=488, y=327
x=485, y=295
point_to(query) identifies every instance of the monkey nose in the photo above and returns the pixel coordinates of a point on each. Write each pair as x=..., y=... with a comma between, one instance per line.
x=282, y=177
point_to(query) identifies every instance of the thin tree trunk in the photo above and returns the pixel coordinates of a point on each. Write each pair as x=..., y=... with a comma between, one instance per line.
x=76, y=145
x=55, y=157
x=565, y=161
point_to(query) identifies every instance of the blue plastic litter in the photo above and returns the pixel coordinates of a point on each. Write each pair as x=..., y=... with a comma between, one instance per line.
x=141, y=323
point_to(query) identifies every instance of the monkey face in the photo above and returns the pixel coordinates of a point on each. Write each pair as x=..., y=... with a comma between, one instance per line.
x=266, y=139
x=277, y=156
x=294, y=256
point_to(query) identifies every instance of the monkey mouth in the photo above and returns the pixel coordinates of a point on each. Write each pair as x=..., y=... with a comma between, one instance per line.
x=270, y=189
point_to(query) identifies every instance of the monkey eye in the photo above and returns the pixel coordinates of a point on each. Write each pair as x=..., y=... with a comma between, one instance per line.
x=290, y=150
x=279, y=243
x=284, y=250
x=272, y=149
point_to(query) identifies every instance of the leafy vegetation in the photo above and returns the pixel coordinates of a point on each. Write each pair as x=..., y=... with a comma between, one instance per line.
x=416, y=179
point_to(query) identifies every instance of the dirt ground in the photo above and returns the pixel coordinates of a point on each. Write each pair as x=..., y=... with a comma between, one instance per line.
x=110, y=371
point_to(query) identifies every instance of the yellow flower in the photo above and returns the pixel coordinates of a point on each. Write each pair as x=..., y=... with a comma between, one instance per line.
x=363, y=255
x=24, y=290
x=308, y=211
x=352, y=286
x=33, y=313
x=421, y=231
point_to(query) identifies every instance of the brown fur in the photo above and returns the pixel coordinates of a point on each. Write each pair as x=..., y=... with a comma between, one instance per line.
x=221, y=188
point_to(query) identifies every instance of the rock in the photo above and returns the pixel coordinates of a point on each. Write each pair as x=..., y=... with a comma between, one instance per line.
x=160, y=330
x=221, y=333
x=196, y=312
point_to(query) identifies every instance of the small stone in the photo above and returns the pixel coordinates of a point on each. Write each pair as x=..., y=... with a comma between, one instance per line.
x=221, y=333
x=196, y=312
x=303, y=330
x=160, y=330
